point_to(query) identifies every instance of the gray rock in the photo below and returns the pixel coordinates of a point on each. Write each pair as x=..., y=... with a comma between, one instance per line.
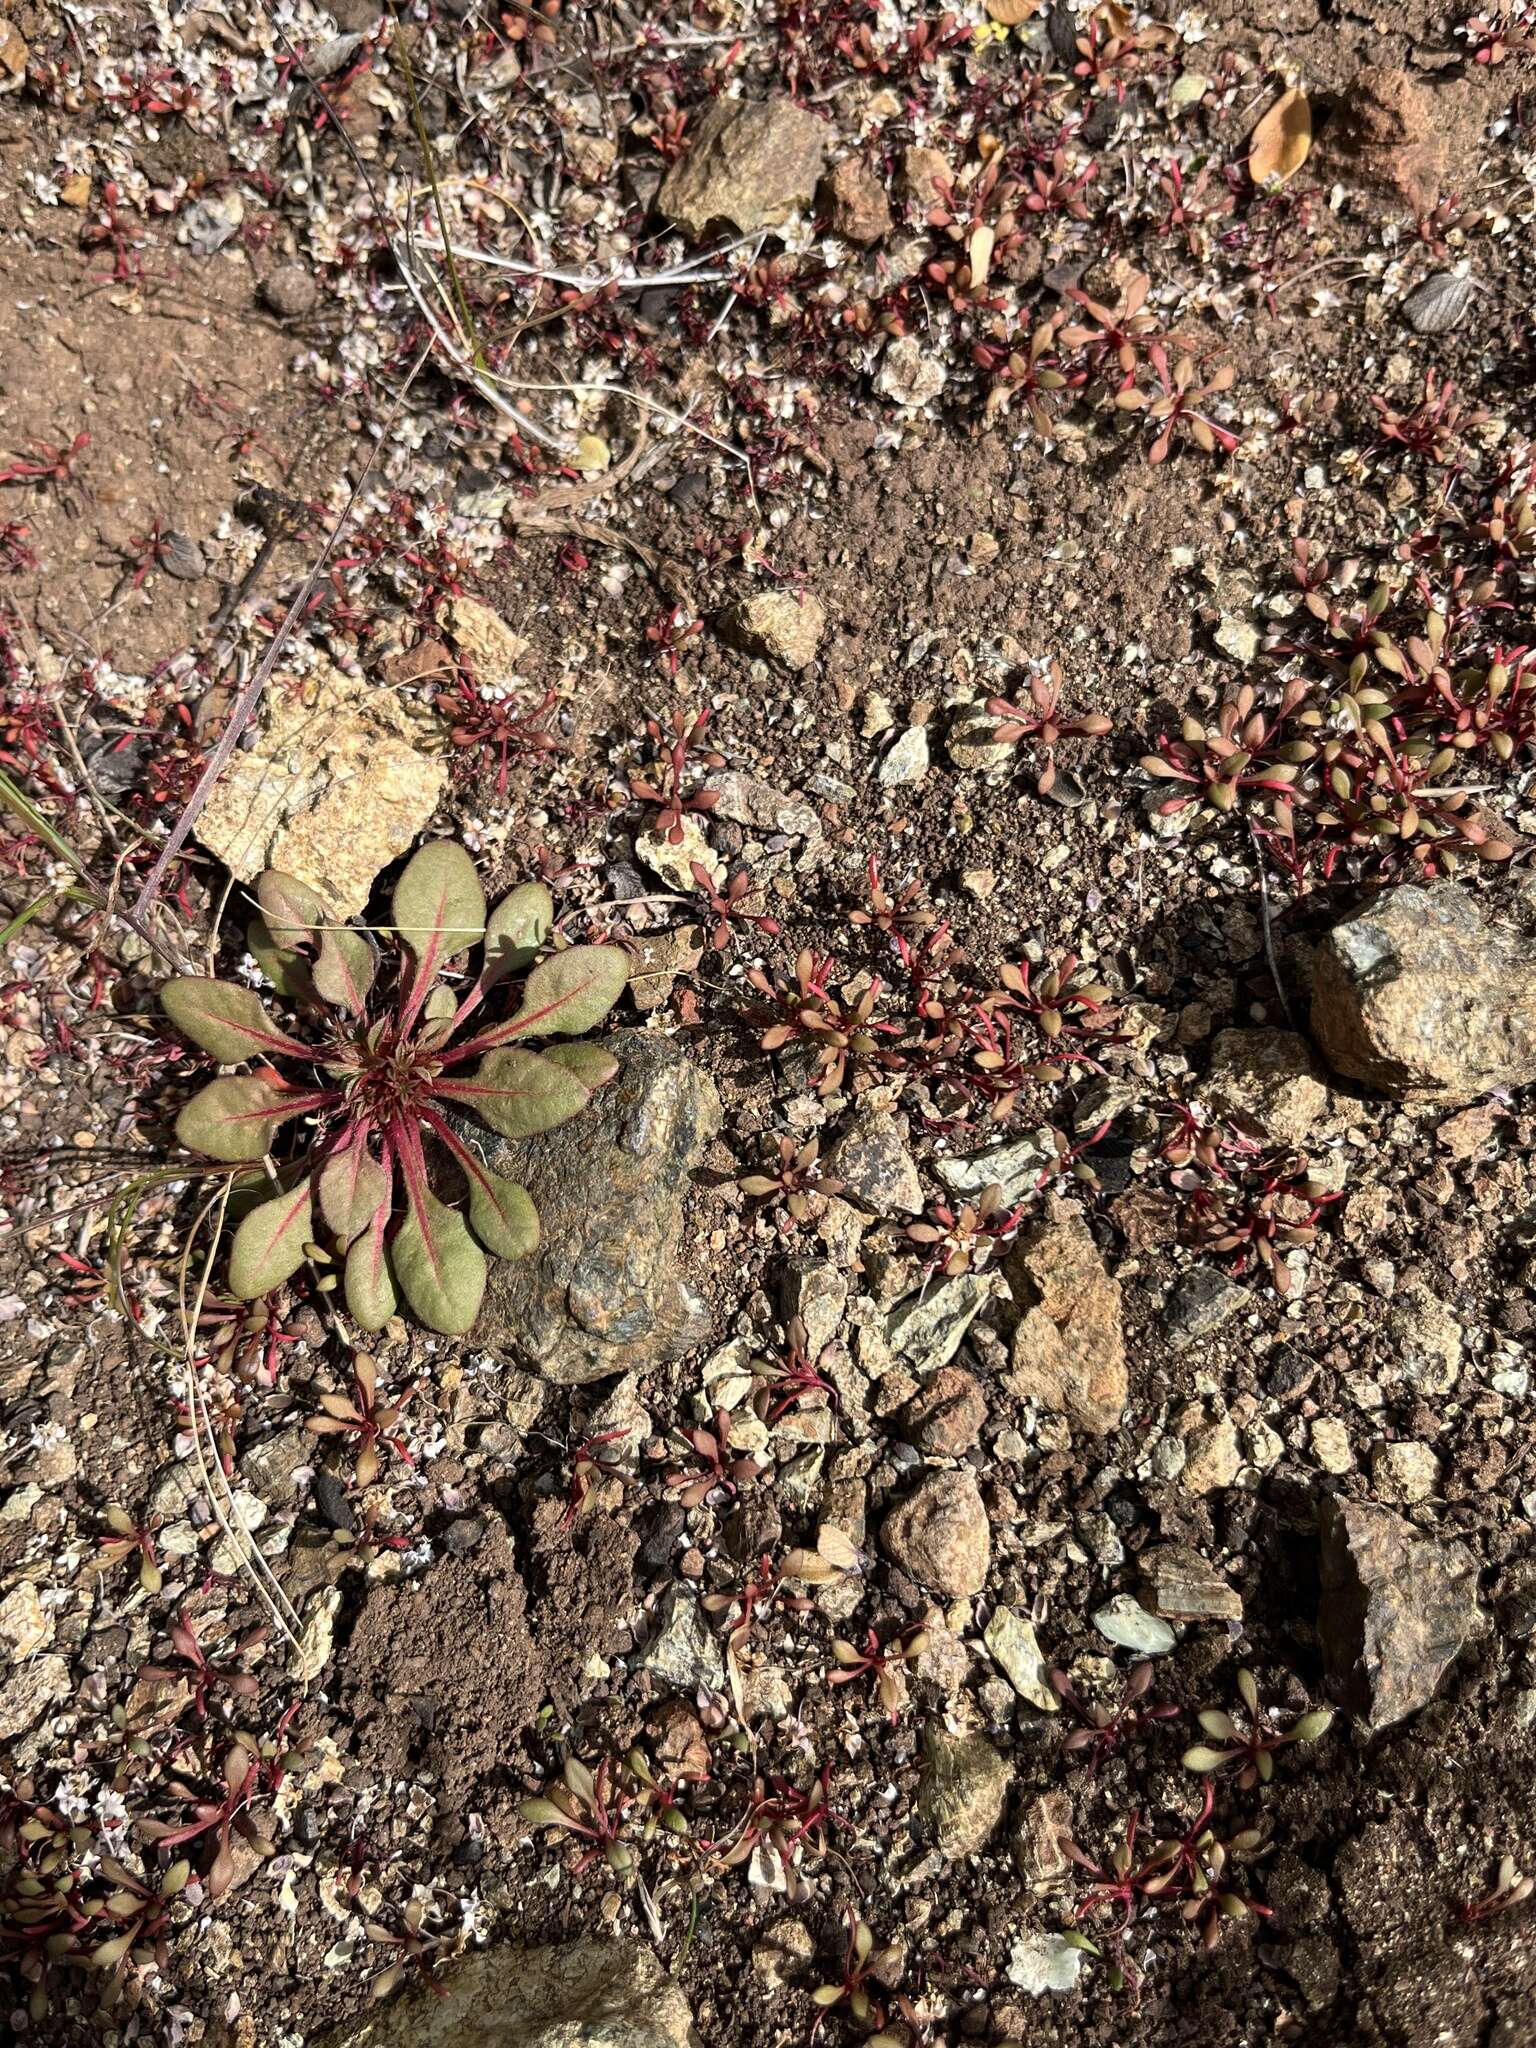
x=1201, y=1303
x=30, y=1691
x=684, y=1652
x=1039, y=1963
x=907, y=761
x=1184, y=1587
x=924, y=1330
x=1126, y=1623
x=1036, y=1836
x=603, y=1293
x=1011, y=1639
x=875, y=1166
x=816, y=1292
x=748, y=800
x=585, y=1994
x=962, y=1791
x=750, y=164
x=1015, y=1166
x=1417, y=996
x=182, y=558
x=940, y=1535
x=1395, y=1609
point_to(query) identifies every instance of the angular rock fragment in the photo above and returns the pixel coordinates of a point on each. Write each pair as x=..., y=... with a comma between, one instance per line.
x=749, y=164
x=1395, y=1610
x=1069, y=1347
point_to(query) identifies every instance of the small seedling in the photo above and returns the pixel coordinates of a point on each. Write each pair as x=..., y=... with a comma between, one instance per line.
x=366, y=1422
x=793, y=1178
x=717, y=1470
x=861, y=1961
x=1250, y=1750
x=793, y=1377
x=672, y=783
x=885, y=1661
x=131, y=1539
x=1510, y=1889
x=591, y=1805
x=1044, y=722
x=966, y=1239
x=1102, y=1731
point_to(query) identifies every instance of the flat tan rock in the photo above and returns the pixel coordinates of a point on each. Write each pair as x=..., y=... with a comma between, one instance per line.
x=1069, y=1346
x=337, y=785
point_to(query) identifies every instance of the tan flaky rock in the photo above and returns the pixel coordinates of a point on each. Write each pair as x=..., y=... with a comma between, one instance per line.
x=1069, y=1346
x=1272, y=1077
x=749, y=164
x=777, y=624
x=1417, y=996
x=336, y=786
x=584, y=1994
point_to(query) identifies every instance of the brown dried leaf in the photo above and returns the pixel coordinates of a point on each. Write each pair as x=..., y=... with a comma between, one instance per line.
x=1278, y=146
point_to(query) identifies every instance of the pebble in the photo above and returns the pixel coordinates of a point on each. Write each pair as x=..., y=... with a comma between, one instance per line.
x=1204, y=1299
x=1126, y=1623
x=907, y=761
x=1013, y=1644
x=1405, y=1472
x=940, y=1535
x=962, y=1792
x=1330, y=1445
x=26, y=1626
x=683, y=1652
x=1213, y=1457
x=1040, y=1963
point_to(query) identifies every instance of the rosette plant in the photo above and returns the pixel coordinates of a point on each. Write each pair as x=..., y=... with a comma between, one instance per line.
x=379, y=1055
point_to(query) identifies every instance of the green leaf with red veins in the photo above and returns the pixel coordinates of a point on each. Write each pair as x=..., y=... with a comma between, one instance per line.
x=369, y=1284
x=517, y=931
x=519, y=1093
x=293, y=912
x=440, y=1268
x=569, y=994
x=589, y=1063
x=287, y=971
x=269, y=1245
x=227, y=1021
x=351, y=1187
x=502, y=1215
x=344, y=969
x=234, y=1118
x=438, y=907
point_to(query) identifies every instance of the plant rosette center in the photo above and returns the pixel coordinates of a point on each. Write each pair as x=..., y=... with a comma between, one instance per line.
x=380, y=1053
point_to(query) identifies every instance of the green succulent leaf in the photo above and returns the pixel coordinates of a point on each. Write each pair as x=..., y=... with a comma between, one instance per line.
x=519, y=1093
x=352, y=1187
x=1311, y=1726
x=517, y=931
x=570, y=993
x=1201, y=1758
x=502, y=1215
x=592, y=1066
x=234, y=1118
x=223, y=1019
x=269, y=1246
x=344, y=969
x=440, y=1268
x=368, y=1282
x=293, y=912
x=438, y=907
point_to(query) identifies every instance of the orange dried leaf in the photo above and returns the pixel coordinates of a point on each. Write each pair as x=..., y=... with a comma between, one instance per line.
x=1278, y=146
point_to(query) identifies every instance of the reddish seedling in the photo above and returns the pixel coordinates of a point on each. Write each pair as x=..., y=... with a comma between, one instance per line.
x=717, y=1469
x=1103, y=1731
x=672, y=784
x=726, y=906
x=1043, y=720
x=1249, y=1749
x=885, y=1662
x=368, y=1424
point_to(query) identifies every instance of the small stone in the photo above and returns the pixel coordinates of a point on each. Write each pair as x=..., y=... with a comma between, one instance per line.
x=26, y=1626
x=783, y=1955
x=1126, y=1623
x=1212, y=1457
x=1015, y=1166
x=778, y=625
x=856, y=204
x=675, y=857
x=1069, y=1347
x=1038, y=1856
x=1405, y=1472
x=907, y=376
x=749, y=164
x=312, y=1653
x=29, y=1692
x=907, y=761
x=598, y=1994
x=683, y=1652
x=1427, y=1338
x=817, y=1292
x=962, y=1791
x=660, y=957
x=1418, y=996
x=940, y=1535
x=945, y=1419
x=924, y=1330
x=1016, y=1651
x=1041, y=1963
x=1331, y=1448
x=1184, y=1587
x=487, y=645
x=291, y=291
x=874, y=1164
x=1239, y=638
x=1272, y=1077
x=1395, y=1609
x=973, y=746
x=1204, y=1299
x=924, y=174
x=335, y=786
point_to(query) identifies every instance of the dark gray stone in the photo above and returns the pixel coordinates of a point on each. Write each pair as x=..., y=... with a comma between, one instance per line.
x=603, y=1293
